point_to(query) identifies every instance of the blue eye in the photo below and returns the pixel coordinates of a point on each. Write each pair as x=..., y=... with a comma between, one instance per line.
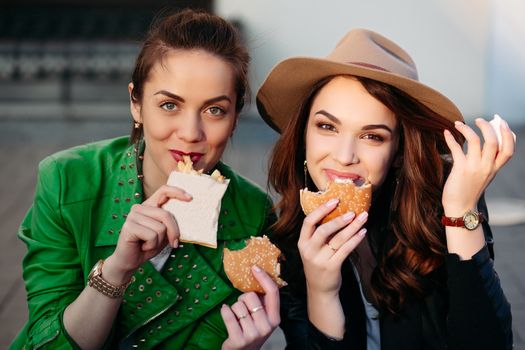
x=216, y=111
x=169, y=106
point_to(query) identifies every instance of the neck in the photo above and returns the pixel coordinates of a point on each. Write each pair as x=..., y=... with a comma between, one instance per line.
x=153, y=176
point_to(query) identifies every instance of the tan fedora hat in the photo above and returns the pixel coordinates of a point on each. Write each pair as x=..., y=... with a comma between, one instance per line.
x=362, y=53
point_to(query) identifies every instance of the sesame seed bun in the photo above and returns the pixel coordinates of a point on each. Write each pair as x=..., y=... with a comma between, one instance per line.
x=351, y=198
x=258, y=251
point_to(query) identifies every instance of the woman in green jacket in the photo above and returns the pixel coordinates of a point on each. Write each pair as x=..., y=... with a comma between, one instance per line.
x=97, y=209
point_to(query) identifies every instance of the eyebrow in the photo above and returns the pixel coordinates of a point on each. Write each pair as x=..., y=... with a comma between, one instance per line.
x=178, y=98
x=335, y=120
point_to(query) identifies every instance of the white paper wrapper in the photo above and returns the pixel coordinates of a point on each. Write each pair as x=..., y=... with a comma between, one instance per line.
x=198, y=218
x=496, y=125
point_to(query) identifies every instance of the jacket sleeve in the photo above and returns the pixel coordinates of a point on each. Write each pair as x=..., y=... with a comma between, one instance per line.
x=51, y=266
x=479, y=314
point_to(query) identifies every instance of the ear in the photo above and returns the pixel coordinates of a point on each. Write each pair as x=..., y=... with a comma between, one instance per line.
x=134, y=105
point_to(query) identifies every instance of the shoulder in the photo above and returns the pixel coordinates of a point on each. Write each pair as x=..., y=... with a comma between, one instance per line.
x=76, y=171
x=85, y=155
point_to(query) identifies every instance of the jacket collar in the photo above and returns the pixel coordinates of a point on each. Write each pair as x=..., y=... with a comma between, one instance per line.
x=127, y=190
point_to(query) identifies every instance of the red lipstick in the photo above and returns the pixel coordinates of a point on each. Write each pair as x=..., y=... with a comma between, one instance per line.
x=178, y=155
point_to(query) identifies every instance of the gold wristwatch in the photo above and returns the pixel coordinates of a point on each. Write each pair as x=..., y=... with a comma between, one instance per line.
x=96, y=281
x=470, y=220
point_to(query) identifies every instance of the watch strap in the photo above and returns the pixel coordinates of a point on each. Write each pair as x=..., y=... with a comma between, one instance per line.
x=459, y=221
x=97, y=282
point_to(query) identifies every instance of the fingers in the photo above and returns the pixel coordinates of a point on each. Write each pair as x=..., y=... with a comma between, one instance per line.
x=473, y=140
x=348, y=232
x=311, y=220
x=490, y=145
x=134, y=232
x=271, y=296
x=455, y=148
x=508, y=144
x=157, y=219
x=230, y=321
x=342, y=253
x=164, y=193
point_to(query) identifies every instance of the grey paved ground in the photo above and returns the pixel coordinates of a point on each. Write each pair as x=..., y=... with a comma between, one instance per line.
x=23, y=144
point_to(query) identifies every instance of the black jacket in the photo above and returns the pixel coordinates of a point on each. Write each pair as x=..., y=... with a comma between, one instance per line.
x=465, y=309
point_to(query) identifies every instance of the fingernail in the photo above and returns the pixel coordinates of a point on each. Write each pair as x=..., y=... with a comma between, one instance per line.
x=506, y=125
x=447, y=132
x=332, y=202
x=362, y=216
x=458, y=123
x=362, y=232
x=187, y=195
x=256, y=268
x=175, y=243
x=348, y=216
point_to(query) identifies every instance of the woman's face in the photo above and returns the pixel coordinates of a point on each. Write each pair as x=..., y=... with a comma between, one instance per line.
x=187, y=108
x=349, y=135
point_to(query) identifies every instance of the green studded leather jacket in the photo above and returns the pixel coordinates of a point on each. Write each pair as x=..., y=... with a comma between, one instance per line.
x=81, y=201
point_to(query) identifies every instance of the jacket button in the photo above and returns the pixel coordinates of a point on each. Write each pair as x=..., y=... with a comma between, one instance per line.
x=149, y=280
x=158, y=293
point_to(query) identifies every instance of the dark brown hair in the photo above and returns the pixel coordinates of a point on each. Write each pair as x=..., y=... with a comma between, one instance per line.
x=192, y=30
x=404, y=220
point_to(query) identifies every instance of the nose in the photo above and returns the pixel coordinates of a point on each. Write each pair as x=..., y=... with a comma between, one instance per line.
x=346, y=152
x=190, y=129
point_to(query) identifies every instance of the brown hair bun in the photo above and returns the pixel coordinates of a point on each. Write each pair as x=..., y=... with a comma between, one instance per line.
x=258, y=251
x=351, y=198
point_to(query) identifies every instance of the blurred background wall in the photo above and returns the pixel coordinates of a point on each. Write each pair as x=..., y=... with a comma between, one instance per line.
x=471, y=50
x=71, y=59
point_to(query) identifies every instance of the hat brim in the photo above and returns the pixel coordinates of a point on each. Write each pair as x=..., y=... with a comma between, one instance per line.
x=289, y=82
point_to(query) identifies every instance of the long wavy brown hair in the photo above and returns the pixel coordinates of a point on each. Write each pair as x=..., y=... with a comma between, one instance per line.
x=404, y=221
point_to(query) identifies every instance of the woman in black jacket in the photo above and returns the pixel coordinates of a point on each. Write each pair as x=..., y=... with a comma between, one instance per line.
x=416, y=271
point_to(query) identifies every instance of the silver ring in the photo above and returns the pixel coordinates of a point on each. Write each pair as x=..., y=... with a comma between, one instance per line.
x=255, y=309
x=242, y=316
x=329, y=246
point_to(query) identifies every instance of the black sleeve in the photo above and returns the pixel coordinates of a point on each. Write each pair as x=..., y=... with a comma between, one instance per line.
x=479, y=313
x=299, y=332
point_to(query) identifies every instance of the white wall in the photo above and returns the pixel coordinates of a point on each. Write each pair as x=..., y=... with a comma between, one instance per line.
x=506, y=87
x=448, y=39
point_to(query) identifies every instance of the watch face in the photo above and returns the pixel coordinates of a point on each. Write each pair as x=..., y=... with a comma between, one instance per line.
x=471, y=220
